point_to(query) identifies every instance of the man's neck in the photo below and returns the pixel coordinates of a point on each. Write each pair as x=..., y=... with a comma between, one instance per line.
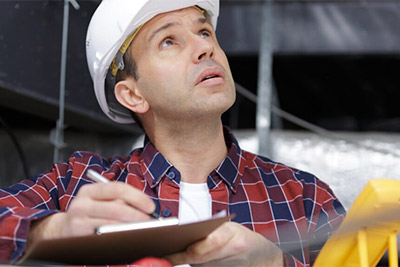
x=194, y=150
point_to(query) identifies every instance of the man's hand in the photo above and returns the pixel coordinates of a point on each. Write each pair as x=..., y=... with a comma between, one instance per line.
x=231, y=245
x=94, y=205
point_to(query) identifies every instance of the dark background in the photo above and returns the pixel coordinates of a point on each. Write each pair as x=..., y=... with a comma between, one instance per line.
x=334, y=64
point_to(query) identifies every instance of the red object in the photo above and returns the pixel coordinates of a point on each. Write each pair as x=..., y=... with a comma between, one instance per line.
x=151, y=262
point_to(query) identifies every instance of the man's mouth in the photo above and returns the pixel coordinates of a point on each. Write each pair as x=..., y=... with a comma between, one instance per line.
x=209, y=74
x=209, y=77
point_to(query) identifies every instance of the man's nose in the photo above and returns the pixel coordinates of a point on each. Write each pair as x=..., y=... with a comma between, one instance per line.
x=204, y=49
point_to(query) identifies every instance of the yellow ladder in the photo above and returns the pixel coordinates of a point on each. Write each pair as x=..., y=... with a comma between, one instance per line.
x=369, y=229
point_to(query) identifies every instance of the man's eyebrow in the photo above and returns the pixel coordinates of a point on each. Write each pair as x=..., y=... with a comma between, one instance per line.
x=162, y=28
x=202, y=21
x=173, y=24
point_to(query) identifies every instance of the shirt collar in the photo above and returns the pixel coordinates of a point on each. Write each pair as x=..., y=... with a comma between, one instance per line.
x=230, y=169
x=155, y=165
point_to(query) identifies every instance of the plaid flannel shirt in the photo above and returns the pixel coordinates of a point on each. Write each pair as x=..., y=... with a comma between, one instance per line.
x=289, y=207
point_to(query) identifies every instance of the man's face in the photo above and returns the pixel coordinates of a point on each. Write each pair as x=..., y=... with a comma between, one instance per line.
x=183, y=72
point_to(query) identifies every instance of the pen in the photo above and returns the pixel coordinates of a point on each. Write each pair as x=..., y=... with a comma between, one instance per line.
x=98, y=178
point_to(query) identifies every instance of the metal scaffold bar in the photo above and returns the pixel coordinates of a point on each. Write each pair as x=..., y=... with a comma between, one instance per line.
x=263, y=117
x=57, y=135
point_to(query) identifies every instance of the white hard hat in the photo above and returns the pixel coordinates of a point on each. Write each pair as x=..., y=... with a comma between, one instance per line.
x=112, y=23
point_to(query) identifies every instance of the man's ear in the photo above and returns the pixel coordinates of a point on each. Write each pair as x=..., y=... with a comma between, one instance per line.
x=129, y=95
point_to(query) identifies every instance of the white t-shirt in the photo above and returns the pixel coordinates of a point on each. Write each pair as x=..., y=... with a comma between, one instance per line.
x=194, y=202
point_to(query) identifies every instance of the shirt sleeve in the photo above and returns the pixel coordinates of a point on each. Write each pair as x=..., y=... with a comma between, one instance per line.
x=330, y=217
x=322, y=215
x=290, y=260
x=318, y=238
x=327, y=216
x=22, y=203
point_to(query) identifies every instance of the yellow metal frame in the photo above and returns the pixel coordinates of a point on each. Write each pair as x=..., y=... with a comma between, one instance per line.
x=369, y=229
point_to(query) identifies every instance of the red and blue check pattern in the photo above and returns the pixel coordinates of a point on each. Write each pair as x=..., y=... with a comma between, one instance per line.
x=291, y=208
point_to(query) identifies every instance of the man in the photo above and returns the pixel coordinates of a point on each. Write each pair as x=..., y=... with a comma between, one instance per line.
x=162, y=61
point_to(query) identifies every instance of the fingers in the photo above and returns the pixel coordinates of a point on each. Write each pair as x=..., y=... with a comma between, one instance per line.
x=112, y=191
x=214, y=241
x=100, y=204
x=84, y=226
x=210, y=248
x=231, y=244
x=107, y=210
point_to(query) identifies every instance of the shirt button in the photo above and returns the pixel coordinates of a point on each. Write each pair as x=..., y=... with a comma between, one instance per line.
x=171, y=175
x=166, y=212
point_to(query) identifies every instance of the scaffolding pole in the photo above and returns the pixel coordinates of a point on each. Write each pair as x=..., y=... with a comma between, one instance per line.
x=57, y=134
x=264, y=100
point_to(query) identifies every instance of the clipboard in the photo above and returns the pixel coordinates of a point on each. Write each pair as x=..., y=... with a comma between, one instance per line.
x=124, y=246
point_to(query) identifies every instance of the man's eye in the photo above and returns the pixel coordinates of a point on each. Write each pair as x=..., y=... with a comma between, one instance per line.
x=167, y=42
x=205, y=33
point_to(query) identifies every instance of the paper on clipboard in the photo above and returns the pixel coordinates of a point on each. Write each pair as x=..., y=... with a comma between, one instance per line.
x=112, y=228
x=124, y=246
